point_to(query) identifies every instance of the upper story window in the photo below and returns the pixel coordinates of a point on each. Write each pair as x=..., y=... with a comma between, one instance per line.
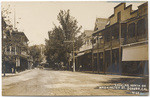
x=118, y=16
x=131, y=30
x=108, y=36
x=141, y=27
x=115, y=33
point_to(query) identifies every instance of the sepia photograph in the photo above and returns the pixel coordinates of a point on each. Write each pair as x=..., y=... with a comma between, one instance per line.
x=74, y=48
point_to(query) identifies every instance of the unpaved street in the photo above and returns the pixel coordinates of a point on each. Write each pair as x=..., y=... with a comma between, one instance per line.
x=50, y=82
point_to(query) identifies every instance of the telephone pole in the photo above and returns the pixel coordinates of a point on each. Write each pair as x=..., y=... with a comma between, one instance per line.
x=73, y=55
x=73, y=58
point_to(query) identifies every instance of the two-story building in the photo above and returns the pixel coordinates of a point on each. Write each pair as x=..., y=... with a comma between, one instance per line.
x=15, y=51
x=122, y=46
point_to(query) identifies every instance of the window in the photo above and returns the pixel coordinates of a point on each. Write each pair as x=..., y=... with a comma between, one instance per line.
x=141, y=27
x=108, y=36
x=118, y=16
x=131, y=30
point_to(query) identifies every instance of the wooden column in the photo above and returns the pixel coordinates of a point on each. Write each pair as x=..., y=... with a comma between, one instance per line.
x=120, y=57
x=98, y=62
x=15, y=50
x=111, y=60
x=92, y=58
x=10, y=49
x=104, y=66
x=111, y=51
x=98, y=56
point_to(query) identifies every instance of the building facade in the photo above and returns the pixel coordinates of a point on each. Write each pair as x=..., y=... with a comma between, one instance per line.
x=14, y=51
x=122, y=46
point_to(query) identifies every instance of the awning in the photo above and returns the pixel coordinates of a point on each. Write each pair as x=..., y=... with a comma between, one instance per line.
x=135, y=53
x=79, y=54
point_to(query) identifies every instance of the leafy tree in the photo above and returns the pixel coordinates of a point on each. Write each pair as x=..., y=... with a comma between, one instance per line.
x=35, y=52
x=57, y=50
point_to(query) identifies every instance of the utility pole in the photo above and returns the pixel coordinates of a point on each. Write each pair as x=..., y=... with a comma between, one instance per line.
x=73, y=55
x=73, y=58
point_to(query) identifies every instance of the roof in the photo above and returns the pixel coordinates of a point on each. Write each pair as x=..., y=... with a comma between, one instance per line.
x=20, y=33
x=88, y=32
x=125, y=7
x=104, y=29
x=100, y=23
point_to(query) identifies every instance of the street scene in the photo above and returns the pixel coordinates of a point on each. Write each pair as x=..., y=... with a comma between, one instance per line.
x=90, y=48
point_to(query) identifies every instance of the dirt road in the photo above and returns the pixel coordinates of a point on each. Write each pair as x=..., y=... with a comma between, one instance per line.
x=49, y=82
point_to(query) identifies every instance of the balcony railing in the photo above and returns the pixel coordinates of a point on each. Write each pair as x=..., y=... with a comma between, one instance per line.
x=10, y=53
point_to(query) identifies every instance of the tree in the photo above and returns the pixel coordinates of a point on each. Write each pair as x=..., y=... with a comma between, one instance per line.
x=56, y=49
x=35, y=52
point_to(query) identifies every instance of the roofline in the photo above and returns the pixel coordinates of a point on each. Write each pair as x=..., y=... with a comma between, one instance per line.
x=129, y=6
x=120, y=5
x=143, y=4
x=104, y=28
x=21, y=33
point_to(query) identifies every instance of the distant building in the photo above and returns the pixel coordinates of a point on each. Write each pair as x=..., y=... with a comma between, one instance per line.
x=87, y=40
x=100, y=23
x=42, y=48
x=83, y=58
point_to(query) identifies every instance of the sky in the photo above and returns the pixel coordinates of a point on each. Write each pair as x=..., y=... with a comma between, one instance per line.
x=36, y=18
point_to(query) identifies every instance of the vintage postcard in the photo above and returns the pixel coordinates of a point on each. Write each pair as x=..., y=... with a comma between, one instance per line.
x=74, y=48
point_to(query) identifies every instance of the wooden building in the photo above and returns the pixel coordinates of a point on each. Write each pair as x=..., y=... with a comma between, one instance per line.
x=15, y=50
x=122, y=46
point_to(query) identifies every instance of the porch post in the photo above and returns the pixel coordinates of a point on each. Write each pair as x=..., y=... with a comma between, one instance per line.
x=120, y=57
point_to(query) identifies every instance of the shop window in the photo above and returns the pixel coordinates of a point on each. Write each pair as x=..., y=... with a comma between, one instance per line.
x=141, y=27
x=131, y=30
